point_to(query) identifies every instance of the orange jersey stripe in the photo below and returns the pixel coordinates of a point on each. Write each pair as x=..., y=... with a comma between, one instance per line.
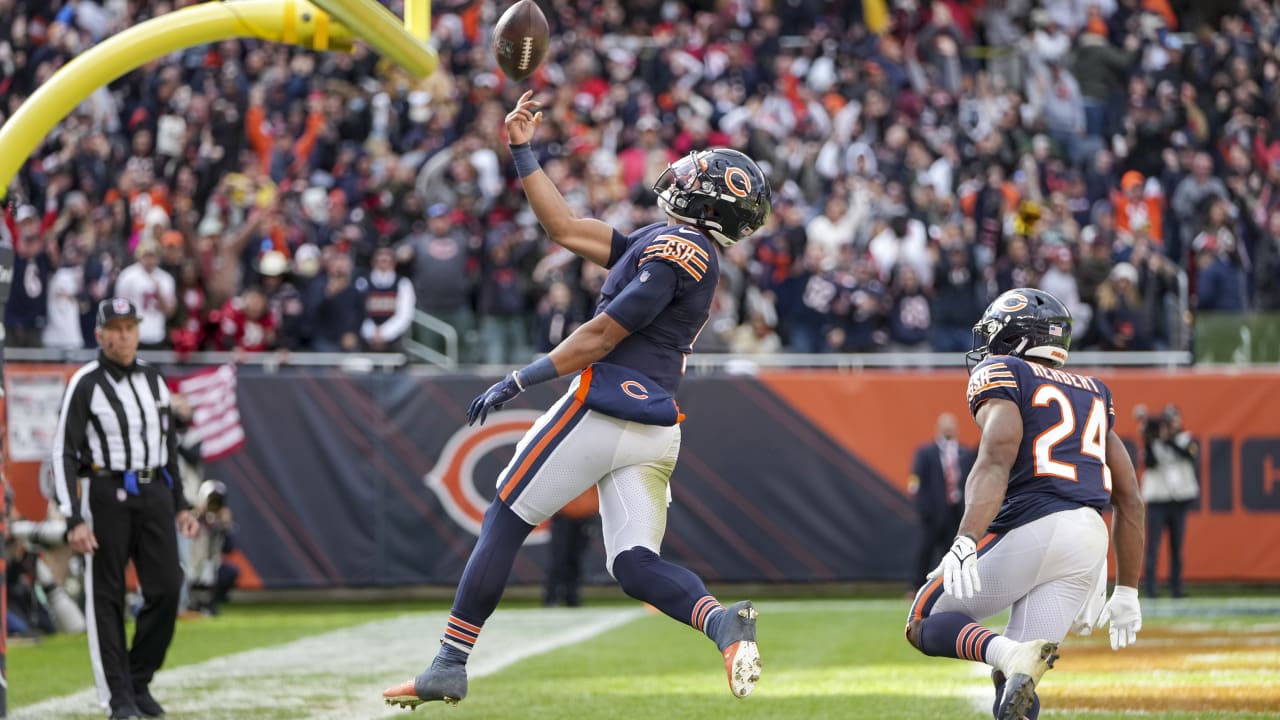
x=693, y=272
x=997, y=384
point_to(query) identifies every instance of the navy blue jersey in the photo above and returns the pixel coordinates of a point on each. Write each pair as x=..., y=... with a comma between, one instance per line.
x=658, y=349
x=1062, y=462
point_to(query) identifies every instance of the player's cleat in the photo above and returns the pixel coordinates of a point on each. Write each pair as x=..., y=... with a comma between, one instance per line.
x=1030, y=661
x=736, y=638
x=445, y=681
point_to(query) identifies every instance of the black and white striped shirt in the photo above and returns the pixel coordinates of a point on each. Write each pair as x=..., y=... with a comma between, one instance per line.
x=114, y=418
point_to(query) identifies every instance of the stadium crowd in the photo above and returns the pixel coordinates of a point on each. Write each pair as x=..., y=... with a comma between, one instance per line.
x=1121, y=154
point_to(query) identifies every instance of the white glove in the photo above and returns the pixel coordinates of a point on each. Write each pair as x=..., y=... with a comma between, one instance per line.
x=959, y=569
x=1125, y=614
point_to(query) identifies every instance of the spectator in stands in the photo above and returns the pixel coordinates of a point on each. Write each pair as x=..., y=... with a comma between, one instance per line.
x=862, y=315
x=1059, y=280
x=557, y=317
x=757, y=335
x=245, y=323
x=285, y=301
x=959, y=296
x=806, y=299
x=66, y=285
x=1120, y=319
x=389, y=303
x=256, y=143
x=1137, y=209
x=443, y=273
x=190, y=320
x=909, y=312
x=1018, y=268
x=833, y=228
x=334, y=307
x=904, y=240
x=1101, y=70
x=1267, y=266
x=1189, y=199
x=1221, y=284
x=504, y=323
x=152, y=291
x=24, y=315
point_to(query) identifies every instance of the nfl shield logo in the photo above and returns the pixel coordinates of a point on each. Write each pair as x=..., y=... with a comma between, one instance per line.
x=120, y=306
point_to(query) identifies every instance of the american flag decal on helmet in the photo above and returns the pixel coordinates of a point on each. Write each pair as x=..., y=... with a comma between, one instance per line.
x=1055, y=330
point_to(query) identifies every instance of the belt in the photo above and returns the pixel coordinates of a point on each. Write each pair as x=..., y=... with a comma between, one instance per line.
x=133, y=478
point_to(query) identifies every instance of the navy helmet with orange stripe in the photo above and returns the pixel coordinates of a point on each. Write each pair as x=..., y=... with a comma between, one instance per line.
x=720, y=191
x=1025, y=323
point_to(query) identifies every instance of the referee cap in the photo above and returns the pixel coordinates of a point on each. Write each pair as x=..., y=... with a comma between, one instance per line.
x=115, y=308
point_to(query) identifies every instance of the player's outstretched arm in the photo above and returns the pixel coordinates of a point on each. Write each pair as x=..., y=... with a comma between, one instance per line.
x=586, y=237
x=1129, y=522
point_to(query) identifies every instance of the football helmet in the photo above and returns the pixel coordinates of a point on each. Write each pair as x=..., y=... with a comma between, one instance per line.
x=1024, y=323
x=720, y=191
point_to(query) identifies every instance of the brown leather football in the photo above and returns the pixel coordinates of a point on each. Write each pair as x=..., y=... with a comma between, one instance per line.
x=520, y=39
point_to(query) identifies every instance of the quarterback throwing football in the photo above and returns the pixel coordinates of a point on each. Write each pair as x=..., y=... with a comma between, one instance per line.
x=618, y=425
x=1032, y=537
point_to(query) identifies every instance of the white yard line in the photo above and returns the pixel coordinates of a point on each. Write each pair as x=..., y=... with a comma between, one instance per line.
x=340, y=674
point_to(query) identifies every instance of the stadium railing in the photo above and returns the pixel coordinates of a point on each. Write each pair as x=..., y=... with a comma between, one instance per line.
x=698, y=362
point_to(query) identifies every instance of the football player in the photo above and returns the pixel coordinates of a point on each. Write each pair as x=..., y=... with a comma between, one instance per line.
x=618, y=425
x=1032, y=537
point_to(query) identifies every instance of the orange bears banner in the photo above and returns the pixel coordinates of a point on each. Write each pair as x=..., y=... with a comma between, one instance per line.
x=1233, y=530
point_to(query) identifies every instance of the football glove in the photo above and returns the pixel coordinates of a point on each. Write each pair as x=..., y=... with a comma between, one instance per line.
x=493, y=399
x=1125, y=614
x=959, y=569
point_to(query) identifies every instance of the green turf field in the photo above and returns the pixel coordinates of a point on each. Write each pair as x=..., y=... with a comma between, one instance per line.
x=1201, y=658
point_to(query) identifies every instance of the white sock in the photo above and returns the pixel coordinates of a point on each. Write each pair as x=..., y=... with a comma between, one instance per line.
x=999, y=651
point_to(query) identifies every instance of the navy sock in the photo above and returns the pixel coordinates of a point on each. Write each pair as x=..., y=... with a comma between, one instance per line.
x=954, y=635
x=674, y=590
x=485, y=577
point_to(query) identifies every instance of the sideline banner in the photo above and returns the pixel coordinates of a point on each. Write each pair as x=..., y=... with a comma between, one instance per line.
x=797, y=476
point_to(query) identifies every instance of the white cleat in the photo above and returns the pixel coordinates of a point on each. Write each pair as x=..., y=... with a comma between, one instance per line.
x=740, y=652
x=1030, y=661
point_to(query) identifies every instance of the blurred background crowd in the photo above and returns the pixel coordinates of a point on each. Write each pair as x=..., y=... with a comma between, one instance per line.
x=924, y=155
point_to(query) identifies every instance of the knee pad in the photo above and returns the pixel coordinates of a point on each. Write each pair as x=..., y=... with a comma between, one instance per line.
x=627, y=567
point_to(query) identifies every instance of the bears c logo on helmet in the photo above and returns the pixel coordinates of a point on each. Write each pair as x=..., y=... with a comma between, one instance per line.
x=737, y=180
x=1012, y=302
x=453, y=478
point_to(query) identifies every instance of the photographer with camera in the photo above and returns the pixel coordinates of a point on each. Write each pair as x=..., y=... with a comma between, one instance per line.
x=1170, y=483
x=211, y=579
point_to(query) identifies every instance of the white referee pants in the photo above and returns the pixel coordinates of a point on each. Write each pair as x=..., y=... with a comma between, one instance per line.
x=570, y=448
x=1045, y=571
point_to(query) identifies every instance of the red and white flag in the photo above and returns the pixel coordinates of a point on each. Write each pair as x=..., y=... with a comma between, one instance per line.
x=215, y=421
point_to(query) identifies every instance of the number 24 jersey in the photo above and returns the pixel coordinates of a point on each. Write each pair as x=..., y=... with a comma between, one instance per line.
x=1066, y=418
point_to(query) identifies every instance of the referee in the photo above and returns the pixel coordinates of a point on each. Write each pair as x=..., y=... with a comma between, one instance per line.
x=115, y=467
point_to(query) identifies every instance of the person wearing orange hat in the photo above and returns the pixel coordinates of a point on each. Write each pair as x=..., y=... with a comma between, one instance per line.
x=1137, y=210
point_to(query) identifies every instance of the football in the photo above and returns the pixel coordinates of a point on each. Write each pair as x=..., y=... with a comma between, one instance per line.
x=520, y=39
